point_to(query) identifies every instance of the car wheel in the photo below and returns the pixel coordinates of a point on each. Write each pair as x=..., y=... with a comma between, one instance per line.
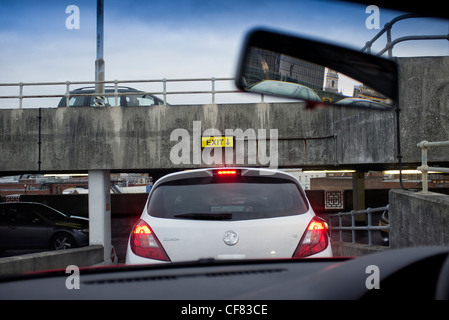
x=61, y=241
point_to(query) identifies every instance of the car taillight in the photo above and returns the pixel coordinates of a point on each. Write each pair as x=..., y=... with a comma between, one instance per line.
x=314, y=240
x=144, y=243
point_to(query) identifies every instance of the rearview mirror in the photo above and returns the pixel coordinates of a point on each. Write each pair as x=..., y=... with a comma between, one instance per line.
x=318, y=73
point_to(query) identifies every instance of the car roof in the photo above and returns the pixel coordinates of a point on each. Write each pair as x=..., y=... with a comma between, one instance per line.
x=106, y=88
x=208, y=172
x=22, y=202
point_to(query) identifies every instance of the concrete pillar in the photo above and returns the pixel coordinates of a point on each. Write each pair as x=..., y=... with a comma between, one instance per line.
x=100, y=211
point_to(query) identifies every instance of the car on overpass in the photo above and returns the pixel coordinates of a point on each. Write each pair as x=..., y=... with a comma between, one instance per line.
x=285, y=89
x=227, y=213
x=33, y=225
x=125, y=97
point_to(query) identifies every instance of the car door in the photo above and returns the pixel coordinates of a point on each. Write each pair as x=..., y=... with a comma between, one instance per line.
x=5, y=230
x=26, y=228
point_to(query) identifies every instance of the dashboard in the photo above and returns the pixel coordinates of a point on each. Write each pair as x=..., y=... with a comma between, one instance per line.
x=409, y=273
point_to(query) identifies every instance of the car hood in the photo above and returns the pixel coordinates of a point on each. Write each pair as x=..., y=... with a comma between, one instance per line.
x=73, y=222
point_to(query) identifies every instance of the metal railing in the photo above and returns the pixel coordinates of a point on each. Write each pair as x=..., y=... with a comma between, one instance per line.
x=212, y=91
x=425, y=168
x=390, y=44
x=343, y=227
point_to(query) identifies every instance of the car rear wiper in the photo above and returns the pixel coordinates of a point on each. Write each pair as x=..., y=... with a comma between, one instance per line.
x=205, y=216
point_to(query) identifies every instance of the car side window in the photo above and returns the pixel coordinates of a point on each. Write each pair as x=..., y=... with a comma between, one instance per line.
x=9, y=215
x=108, y=100
x=150, y=101
x=142, y=101
x=4, y=216
x=46, y=213
x=23, y=215
x=77, y=102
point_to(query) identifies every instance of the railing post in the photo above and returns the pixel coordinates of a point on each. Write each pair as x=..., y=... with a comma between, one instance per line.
x=213, y=90
x=425, y=168
x=352, y=226
x=340, y=225
x=20, y=95
x=423, y=146
x=67, y=93
x=390, y=47
x=425, y=173
x=164, y=90
x=368, y=212
x=116, y=92
x=367, y=47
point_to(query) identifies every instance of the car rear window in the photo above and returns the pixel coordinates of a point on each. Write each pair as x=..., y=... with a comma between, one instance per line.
x=241, y=198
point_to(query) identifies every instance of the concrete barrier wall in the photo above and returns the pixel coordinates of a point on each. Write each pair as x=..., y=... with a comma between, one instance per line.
x=344, y=249
x=79, y=139
x=418, y=219
x=424, y=103
x=52, y=260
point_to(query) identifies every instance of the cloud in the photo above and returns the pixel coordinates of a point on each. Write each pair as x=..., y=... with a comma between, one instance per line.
x=160, y=52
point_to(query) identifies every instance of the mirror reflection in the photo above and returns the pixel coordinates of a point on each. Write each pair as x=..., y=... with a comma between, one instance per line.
x=275, y=73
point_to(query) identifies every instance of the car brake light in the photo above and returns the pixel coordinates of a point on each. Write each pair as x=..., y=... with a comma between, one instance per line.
x=314, y=240
x=144, y=243
x=227, y=172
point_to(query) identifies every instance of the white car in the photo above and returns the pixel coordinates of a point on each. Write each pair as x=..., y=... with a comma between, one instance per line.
x=228, y=213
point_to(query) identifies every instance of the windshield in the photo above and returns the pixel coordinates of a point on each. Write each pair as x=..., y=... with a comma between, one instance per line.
x=249, y=198
x=46, y=212
x=352, y=171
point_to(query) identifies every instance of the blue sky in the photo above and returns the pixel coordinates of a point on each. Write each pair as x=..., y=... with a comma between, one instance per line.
x=169, y=39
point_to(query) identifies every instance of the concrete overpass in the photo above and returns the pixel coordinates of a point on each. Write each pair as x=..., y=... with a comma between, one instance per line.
x=141, y=139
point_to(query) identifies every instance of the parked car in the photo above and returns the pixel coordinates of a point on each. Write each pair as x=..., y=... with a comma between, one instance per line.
x=240, y=213
x=26, y=225
x=361, y=102
x=83, y=97
x=285, y=89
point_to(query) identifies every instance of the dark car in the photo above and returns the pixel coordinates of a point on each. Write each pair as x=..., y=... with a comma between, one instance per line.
x=126, y=97
x=26, y=225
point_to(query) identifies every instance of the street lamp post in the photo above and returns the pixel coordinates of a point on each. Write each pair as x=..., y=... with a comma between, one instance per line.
x=99, y=62
x=99, y=180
